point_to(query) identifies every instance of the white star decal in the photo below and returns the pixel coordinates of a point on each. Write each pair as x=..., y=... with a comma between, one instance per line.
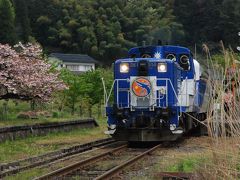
x=157, y=55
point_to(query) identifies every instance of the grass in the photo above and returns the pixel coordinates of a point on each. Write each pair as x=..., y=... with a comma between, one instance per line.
x=36, y=145
x=31, y=146
x=16, y=122
x=28, y=174
x=182, y=160
x=10, y=109
x=8, y=116
x=188, y=157
x=188, y=164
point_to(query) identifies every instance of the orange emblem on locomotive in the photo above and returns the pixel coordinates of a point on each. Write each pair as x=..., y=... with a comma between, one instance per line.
x=141, y=87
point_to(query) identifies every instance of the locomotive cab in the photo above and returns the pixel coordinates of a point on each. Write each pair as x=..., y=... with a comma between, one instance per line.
x=151, y=89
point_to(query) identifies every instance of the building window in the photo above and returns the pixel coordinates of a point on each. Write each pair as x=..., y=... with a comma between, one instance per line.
x=73, y=67
x=88, y=67
x=81, y=68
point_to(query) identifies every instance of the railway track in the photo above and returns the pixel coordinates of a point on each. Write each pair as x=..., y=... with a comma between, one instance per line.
x=29, y=163
x=101, y=166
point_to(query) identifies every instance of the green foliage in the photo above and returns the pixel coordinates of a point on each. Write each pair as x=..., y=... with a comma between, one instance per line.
x=55, y=114
x=106, y=29
x=23, y=28
x=10, y=108
x=116, y=26
x=102, y=29
x=187, y=165
x=221, y=60
x=84, y=90
x=209, y=21
x=7, y=20
x=72, y=94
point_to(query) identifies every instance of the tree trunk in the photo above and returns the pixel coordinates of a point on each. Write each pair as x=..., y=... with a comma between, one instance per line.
x=60, y=107
x=73, y=108
x=80, y=111
x=33, y=105
x=5, y=110
x=90, y=111
x=99, y=109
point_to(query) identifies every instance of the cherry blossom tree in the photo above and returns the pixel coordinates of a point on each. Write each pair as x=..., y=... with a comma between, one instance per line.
x=24, y=74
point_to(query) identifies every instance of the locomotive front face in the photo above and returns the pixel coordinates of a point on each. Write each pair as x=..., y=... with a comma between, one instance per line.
x=145, y=96
x=138, y=85
x=145, y=84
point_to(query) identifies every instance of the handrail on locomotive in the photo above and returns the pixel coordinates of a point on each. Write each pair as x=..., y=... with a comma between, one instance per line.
x=108, y=95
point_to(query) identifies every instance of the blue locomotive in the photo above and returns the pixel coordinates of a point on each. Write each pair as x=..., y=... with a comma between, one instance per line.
x=158, y=94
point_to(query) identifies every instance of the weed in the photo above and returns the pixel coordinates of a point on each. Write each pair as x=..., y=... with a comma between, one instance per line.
x=189, y=164
x=223, y=118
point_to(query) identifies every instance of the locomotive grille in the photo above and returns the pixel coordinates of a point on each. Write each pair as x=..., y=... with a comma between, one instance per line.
x=143, y=102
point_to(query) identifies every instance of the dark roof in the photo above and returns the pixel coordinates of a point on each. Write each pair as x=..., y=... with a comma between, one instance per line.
x=73, y=58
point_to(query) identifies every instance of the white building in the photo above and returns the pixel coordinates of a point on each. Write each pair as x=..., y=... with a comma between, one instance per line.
x=77, y=63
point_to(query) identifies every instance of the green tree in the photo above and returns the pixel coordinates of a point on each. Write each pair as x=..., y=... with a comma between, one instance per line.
x=92, y=88
x=23, y=28
x=7, y=20
x=72, y=94
x=84, y=90
x=99, y=28
x=209, y=21
x=104, y=29
x=231, y=21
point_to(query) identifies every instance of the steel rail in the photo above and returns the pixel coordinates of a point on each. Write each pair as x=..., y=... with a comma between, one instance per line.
x=73, y=167
x=33, y=162
x=119, y=168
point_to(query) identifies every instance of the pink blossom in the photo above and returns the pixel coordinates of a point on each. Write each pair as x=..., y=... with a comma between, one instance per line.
x=24, y=73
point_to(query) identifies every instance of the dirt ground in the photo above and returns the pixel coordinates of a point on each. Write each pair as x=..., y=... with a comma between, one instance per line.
x=186, y=156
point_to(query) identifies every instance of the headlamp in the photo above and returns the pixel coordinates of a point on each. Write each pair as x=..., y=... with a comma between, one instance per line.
x=162, y=67
x=124, y=67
